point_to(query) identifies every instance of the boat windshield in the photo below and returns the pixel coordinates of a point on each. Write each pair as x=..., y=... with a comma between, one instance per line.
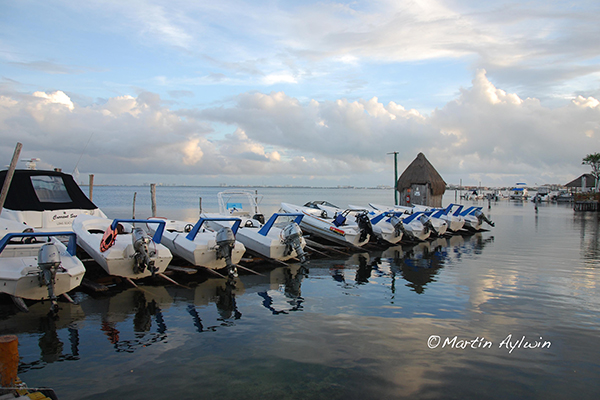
x=50, y=189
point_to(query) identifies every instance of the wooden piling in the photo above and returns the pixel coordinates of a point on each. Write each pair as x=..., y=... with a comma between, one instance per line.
x=153, y=196
x=91, y=187
x=9, y=175
x=133, y=212
x=9, y=360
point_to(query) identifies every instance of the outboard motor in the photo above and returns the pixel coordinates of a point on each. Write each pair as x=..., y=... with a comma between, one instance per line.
x=481, y=217
x=398, y=226
x=48, y=262
x=292, y=237
x=142, y=253
x=426, y=221
x=364, y=224
x=225, y=244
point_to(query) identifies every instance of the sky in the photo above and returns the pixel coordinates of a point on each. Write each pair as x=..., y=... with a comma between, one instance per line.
x=315, y=93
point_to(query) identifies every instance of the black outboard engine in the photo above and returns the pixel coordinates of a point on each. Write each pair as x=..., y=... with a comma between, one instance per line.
x=49, y=262
x=142, y=252
x=292, y=237
x=426, y=221
x=398, y=226
x=225, y=244
x=481, y=217
x=364, y=224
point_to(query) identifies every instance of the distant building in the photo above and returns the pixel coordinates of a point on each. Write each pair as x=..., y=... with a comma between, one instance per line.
x=420, y=183
x=584, y=183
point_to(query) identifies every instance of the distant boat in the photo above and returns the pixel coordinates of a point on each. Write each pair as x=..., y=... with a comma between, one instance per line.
x=519, y=192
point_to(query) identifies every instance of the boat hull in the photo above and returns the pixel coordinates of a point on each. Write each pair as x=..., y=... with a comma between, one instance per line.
x=270, y=245
x=119, y=259
x=19, y=272
x=324, y=227
x=202, y=251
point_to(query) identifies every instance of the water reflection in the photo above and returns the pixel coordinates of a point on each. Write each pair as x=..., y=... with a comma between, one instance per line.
x=288, y=296
x=222, y=293
x=38, y=323
x=116, y=313
x=588, y=224
x=420, y=264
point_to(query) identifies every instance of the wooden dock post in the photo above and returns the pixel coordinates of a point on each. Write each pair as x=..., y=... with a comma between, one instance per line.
x=9, y=175
x=153, y=195
x=9, y=360
x=133, y=212
x=91, y=187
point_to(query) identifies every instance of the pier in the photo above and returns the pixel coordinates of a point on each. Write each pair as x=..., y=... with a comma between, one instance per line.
x=586, y=205
x=586, y=202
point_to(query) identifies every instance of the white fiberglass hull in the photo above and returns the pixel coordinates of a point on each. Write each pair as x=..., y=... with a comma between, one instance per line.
x=270, y=245
x=49, y=220
x=414, y=230
x=19, y=272
x=202, y=251
x=119, y=259
x=315, y=224
x=383, y=230
x=19, y=269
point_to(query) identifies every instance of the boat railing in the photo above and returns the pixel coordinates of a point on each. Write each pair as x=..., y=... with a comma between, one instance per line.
x=194, y=231
x=269, y=224
x=157, y=234
x=71, y=246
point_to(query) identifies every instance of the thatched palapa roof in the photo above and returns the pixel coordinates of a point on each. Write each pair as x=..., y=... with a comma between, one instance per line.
x=421, y=172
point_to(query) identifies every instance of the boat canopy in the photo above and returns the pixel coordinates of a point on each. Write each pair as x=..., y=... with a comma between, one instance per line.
x=37, y=190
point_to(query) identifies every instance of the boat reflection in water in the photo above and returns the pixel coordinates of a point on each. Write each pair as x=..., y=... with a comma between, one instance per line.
x=221, y=292
x=145, y=304
x=420, y=264
x=39, y=322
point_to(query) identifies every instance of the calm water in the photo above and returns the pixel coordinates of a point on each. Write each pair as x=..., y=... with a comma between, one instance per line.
x=378, y=324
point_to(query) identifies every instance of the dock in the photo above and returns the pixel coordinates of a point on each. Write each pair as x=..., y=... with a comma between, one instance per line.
x=587, y=205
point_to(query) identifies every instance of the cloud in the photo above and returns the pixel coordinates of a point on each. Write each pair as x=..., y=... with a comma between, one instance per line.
x=48, y=67
x=484, y=133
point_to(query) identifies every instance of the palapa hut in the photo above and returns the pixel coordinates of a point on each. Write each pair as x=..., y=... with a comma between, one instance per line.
x=421, y=184
x=584, y=183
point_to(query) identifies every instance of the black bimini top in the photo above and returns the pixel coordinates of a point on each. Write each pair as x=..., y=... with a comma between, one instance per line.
x=35, y=190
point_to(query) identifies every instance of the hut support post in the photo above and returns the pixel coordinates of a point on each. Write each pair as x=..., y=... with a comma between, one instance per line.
x=395, y=153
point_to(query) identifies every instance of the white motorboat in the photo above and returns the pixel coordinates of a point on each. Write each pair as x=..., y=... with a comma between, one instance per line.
x=473, y=216
x=442, y=220
x=204, y=247
x=45, y=200
x=278, y=238
x=37, y=265
x=335, y=228
x=386, y=228
x=417, y=226
x=519, y=192
x=121, y=248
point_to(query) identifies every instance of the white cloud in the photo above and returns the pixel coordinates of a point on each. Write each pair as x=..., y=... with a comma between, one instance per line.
x=57, y=97
x=484, y=133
